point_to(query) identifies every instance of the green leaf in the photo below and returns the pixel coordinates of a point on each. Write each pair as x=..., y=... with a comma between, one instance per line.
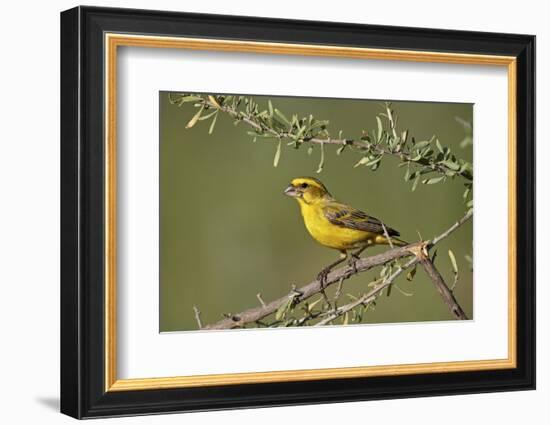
x=411, y=274
x=270, y=106
x=414, y=175
x=186, y=99
x=374, y=282
x=195, y=118
x=214, y=101
x=205, y=117
x=450, y=164
x=373, y=162
x=340, y=149
x=470, y=203
x=415, y=183
x=375, y=166
x=407, y=174
x=420, y=145
x=279, y=314
x=433, y=180
x=380, y=128
x=427, y=153
x=277, y=154
x=283, y=309
x=362, y=161
x=322, y=160
x=407, y=294
x=281, y=116
x=439, y=147
x=345, y=320
x=317, y=124
x=314, y=303
x=467, y=141
x=213, y=124
x=416, y=157
x=300, y=132
x=453, y=261
x=309, y=150
x=470, y=261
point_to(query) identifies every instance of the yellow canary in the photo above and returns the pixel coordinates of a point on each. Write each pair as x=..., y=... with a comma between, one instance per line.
x=336, y=225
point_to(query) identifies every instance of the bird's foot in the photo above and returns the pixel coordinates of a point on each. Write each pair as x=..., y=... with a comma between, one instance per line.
x=296, y=294
x=352, y=262
x=322, y=277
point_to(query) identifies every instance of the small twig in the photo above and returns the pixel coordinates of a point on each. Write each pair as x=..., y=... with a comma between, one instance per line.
x=386, y=234
x=197, y=316
x=325, y=296
x=370, y=296
x=338, y=292
x=451, y=229
x=257, y=125
x=310, y=316
x=259, y=296
x=364, y=300
x=454, y=269
x=443, y=289
x=315, y=287
x=455, y=281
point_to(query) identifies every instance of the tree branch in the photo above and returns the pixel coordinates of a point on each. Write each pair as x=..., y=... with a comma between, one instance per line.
x=417, y=249
x=443, y=289
x=261, y=128
x=300, y=294
x=197, y=316
x=368, y=297
x=455, y=226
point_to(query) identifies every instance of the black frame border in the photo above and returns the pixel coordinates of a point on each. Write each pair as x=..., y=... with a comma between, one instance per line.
x=82, y=217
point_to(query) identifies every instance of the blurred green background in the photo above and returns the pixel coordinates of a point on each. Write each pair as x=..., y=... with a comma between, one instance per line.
x=227, y=232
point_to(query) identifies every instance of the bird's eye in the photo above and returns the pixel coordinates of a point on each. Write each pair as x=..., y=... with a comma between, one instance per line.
x=304, y=185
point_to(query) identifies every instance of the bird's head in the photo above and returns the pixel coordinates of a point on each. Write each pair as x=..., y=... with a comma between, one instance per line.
x=307, y=189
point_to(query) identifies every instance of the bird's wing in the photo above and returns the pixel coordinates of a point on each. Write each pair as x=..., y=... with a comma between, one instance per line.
x=352, y=218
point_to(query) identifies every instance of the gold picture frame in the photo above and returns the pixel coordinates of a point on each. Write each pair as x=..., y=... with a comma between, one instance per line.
x=114, y=41
x=89, y=295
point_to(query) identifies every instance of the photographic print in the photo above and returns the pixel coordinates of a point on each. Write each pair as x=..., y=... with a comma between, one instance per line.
x=280, y=212
x=275, y=185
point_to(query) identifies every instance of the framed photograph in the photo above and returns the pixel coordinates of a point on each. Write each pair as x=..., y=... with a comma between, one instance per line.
x=261, y=212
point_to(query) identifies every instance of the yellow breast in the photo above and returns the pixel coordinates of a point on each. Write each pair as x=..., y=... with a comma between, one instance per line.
x=331, y=235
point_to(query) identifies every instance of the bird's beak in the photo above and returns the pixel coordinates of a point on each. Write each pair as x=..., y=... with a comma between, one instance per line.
x=291, y=191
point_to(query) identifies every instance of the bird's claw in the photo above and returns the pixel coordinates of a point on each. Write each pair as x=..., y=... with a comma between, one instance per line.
x=295, y=294
x=322, y=277
x=352, y=262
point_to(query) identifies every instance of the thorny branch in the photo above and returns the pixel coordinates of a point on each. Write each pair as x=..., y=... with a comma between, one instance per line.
x=369, y=297
x=197, y=316
x=446, y=165
x=446, y=294
x=386, y=141
x=418, y=249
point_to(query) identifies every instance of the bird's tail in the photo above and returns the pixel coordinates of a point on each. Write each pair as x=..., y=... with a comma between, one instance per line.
x=398, y=242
